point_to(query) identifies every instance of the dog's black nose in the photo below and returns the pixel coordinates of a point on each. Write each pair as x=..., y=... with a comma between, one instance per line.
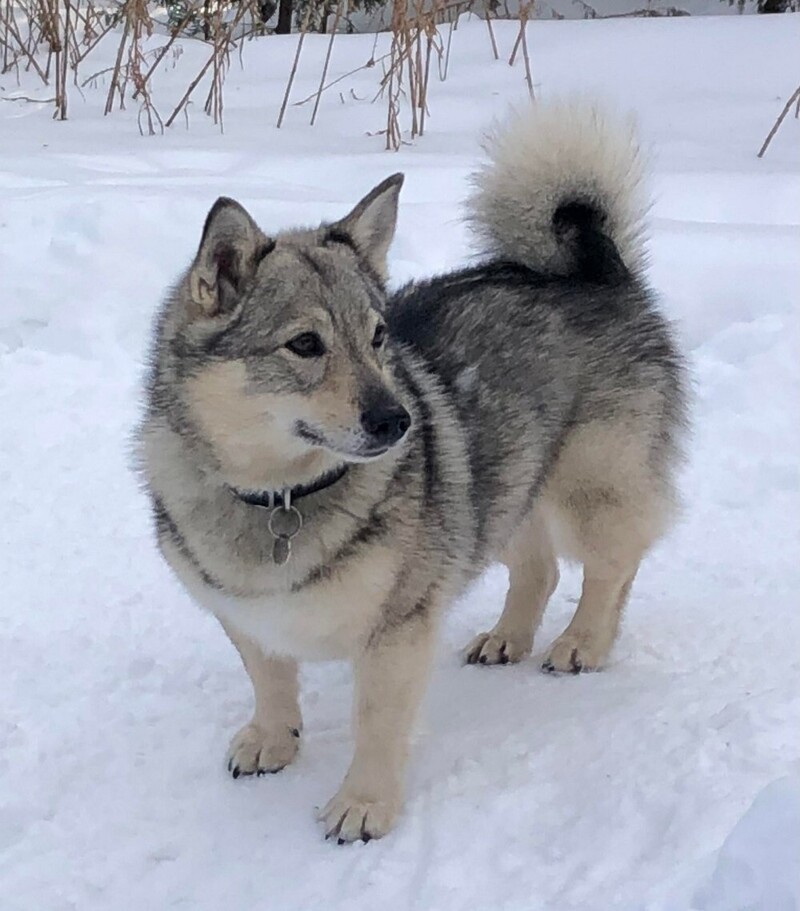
x=386, y=425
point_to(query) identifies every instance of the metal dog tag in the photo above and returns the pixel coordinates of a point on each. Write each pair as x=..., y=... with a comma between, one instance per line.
x=285, y=522
x=281, y=550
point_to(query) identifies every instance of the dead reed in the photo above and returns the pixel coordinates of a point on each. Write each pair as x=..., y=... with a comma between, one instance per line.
x=57, y=40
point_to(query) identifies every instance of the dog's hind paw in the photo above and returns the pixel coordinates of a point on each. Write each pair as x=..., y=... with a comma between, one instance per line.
x=348, y=818
x=493, y=648
x=257, y=751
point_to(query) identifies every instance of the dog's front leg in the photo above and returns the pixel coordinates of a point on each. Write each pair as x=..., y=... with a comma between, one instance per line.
x=270, y=741
x=391, y=672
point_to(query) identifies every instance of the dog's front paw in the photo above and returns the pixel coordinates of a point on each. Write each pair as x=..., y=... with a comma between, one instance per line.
x=494, y=648
x=258, y=750
x=574, y=654
x=353, y=817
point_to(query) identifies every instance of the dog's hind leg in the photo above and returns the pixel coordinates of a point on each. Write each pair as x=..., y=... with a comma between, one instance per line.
x=608, y=504
x=271, y=740
x=533, y=576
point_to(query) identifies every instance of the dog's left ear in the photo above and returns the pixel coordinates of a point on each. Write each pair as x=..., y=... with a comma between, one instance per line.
x=230, y=250
x=372, y=223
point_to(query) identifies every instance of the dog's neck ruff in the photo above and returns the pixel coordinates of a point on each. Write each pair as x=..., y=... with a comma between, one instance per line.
x=284, y=498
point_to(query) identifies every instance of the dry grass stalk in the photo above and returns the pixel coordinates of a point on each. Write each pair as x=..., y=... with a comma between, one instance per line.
x=424, y=98
x=141, y=27
x=393, y=133
x=22, y=47
x=795, y=98
x=91, y=40
x=522, y=42
x=163, y=51
x=340, y=7
x=224, y=40
x=116, y=85
x=220, y=60
x=488, y=12
x=8, y=12
x=50, y=37
x=525, y=56
x=364, y=66
x=293, y=73
x=443, y=72
x=62, y=55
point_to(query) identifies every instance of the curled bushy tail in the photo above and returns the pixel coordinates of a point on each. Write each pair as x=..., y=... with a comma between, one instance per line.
x=562, y=193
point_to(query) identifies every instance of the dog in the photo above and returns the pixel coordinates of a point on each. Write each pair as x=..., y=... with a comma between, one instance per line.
x=330, y=464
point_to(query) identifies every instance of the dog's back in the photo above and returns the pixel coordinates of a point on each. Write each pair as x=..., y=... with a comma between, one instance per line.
x=565, y=375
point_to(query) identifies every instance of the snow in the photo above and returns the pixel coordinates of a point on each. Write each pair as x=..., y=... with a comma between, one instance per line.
x=757, y=865
x=623, y=791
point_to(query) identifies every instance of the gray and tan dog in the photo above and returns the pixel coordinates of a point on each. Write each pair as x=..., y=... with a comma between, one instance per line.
x=330, y=464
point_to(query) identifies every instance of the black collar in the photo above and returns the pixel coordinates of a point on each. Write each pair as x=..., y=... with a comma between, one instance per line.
x=272, y=498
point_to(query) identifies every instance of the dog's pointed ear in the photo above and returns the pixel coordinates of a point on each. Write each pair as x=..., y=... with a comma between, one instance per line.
x=372, y=223
x=230, y=250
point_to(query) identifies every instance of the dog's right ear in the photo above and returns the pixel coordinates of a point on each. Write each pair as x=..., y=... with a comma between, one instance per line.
x=371, y=225
x=231, y=248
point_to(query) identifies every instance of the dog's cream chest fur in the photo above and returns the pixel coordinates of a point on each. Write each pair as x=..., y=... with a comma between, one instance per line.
x=322, y=621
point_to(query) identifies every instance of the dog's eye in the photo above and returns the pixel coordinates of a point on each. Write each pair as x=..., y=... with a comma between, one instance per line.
x=380, y=336
x=308, y=344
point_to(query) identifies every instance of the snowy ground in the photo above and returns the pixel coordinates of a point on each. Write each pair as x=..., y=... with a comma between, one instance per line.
x=528, y=792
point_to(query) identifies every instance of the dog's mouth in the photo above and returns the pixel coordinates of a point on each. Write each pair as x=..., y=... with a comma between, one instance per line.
x=363, y=453
x=308, y=434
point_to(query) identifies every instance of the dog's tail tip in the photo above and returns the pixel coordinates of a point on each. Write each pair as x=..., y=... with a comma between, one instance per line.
x=563, y=192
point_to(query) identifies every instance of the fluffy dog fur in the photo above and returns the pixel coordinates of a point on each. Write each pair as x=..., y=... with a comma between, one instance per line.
x=546, y=403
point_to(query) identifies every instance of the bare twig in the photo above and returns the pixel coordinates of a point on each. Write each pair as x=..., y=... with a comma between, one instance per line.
x=517, y=43
x=91, y=46
x=31, y=100
x=290, y=82
x=220, y=54
x=491, y=32
x=173, y=37
x=525, y=57
x=424, y=96
x=443, y=72
x=26, y=50
x=781, y=117
x=115, y=83
x=364, y=66
x=8, y=12
x=61, y=66
x=188, y=93
x=340, y=6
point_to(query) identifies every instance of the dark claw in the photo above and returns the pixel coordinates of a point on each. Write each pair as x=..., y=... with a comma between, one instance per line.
x=482, y=659
x=295, y=732
x=334, y=831
x=574, y=663
x=547, y=667
x=503, y=655
x=236, y=772
x=366, y=837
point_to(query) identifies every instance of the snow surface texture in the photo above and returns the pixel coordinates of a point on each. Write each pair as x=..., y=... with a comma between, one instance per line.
x=527, y=792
